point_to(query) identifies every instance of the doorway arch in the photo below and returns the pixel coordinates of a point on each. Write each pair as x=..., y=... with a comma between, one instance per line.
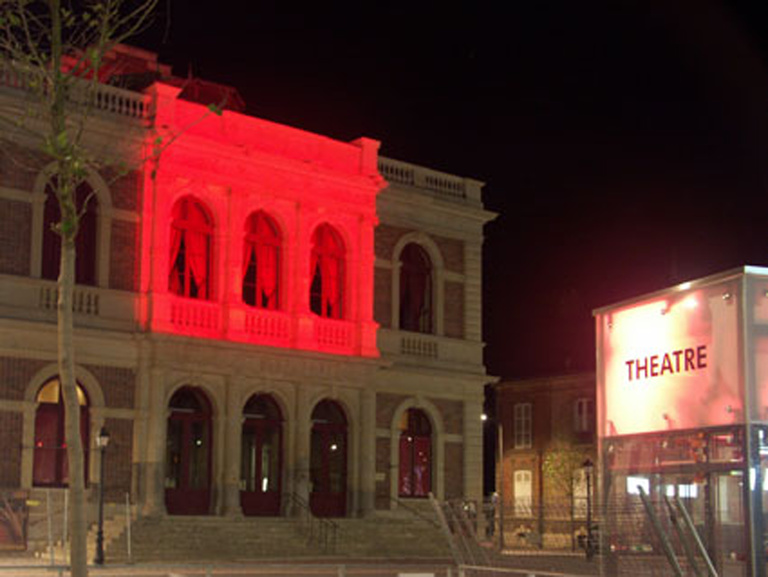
x=188, y=453
x=328, y=460
x=261, y=457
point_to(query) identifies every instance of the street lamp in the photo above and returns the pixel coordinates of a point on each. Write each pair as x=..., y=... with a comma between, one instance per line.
x=589, y=469
x=101, y=442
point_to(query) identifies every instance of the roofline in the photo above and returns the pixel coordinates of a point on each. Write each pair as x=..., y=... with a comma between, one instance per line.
x=687, y=285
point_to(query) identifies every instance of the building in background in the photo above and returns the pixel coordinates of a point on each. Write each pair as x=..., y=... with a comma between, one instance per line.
x=547, y=432
x=260, y=312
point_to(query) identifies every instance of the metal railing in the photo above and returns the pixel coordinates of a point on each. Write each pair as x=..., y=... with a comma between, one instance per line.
x=319, y=530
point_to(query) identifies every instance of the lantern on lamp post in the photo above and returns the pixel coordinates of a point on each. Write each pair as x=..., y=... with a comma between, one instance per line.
x=101, y=442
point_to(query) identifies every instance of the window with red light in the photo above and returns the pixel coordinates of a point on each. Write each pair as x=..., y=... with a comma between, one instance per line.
x=85, y=241
x=261, y=262
x=415, y=290
x=327, y=273
x=415, y=478
x=191, y=242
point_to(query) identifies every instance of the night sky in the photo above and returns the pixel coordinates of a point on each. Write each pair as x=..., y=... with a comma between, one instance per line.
x=624, y=143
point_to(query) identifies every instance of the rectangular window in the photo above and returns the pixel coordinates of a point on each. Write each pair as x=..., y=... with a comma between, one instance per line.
x=579, y=494
x=523, y=494
x=522, y=425
x=584, y=416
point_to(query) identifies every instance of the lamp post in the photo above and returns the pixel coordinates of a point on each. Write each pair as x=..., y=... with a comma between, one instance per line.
x=588, y=471
x=101, y=442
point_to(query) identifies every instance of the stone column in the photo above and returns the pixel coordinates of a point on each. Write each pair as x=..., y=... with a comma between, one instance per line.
x=367, y=451
x=154, y=481
x=473, y=450
x=232, y=448
x=303, y=432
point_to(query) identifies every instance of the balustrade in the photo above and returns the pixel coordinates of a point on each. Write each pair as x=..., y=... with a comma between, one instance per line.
x=85, y=300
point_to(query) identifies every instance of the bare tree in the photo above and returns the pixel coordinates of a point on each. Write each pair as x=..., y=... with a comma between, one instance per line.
x=56, y=52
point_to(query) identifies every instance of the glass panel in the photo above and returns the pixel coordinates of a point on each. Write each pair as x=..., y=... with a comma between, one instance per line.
x=49, y=393
x=337, y=462
x=198, y=456
x=316, y=469
x=173, y=446
x=270, y=460
x=421, y=465
x=248, y=463
x=406, y=465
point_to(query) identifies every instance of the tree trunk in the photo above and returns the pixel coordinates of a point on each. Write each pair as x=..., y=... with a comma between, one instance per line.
x=66, y=186
x=75, y=450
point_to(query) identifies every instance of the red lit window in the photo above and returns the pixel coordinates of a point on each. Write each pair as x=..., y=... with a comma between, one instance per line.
x=327, y=270
x=415, y=479
x=191, y=236
x=415, y=290
x=261, y=262
x=51, y=466
x=85, y=241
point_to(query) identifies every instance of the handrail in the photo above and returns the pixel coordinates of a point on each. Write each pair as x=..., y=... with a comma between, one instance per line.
x=327, y=530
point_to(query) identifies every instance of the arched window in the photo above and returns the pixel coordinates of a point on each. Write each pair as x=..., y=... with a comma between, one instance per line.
x=85, y=241
x=261, y=262
x=51, y=467
x=191, y=241
x=327, y=272
x=415, y=290
x=415, y=479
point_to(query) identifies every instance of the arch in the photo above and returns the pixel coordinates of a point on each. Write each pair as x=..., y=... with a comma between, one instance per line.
x=101, y=227
x=82, y=375
x=189, y=452
x=329, y=459
x=432, y=251
x=262, y=262
x=191, y=264
x=436, y=445
x=327, y=272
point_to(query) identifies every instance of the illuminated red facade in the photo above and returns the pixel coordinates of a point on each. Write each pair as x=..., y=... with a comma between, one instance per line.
x=263, y=314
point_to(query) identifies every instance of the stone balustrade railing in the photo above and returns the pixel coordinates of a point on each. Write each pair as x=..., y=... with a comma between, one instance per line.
x=439, y=184
x=105, y=98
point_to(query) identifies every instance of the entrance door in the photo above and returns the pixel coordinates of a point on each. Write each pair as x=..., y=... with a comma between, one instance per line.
x=261, y=457
x=51, y=465
x=188, y=454
x=328, y=461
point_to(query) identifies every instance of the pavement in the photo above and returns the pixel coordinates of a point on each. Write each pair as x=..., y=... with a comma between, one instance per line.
x=537, y=564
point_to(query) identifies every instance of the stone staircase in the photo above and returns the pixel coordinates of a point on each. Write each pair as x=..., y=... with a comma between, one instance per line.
x=197, y=539
x=411, y=533
x=392, y=537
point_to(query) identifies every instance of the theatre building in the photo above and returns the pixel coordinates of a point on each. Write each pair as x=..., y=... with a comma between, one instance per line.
x=260, y=313
x=682, y=399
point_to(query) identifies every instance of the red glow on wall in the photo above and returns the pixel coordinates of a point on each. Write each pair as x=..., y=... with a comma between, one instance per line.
x=237, y=265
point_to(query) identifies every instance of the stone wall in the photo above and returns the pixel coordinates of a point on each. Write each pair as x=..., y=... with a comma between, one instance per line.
x=15, y=234
x=10, y=449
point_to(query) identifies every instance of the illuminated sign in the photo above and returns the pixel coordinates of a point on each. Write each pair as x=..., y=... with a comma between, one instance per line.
x=670, y=362
x=681, y=360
